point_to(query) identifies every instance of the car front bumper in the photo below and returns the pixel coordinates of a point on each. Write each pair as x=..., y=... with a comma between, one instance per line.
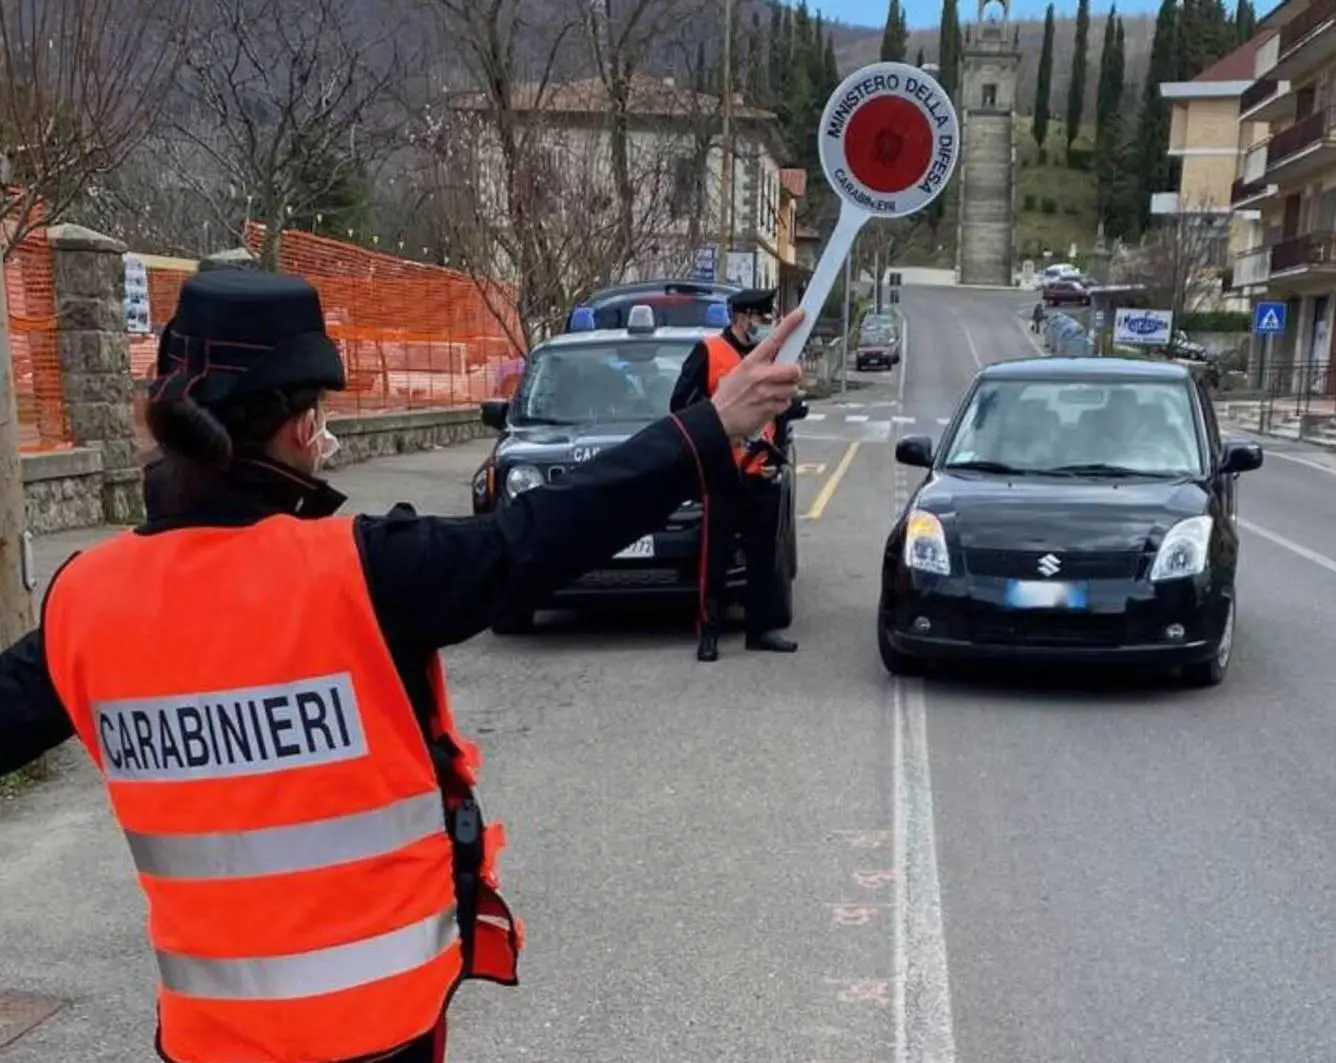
x=1129, y=622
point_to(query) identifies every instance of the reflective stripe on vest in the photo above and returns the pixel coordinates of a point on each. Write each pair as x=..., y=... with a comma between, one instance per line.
x=274, y=786
x=722, y=358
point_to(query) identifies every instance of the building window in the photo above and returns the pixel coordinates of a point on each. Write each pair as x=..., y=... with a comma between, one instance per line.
x=682, y=197
x=990, y=95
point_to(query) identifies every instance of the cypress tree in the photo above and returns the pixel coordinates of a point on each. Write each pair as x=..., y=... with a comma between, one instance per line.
x=1044, y=82
x=918, y=59
x=1245, y=21
x=756, y=76
x=1076, y=89
x=1108, y=118
x=949, y=49
x=1152, y=162
x=895, y=37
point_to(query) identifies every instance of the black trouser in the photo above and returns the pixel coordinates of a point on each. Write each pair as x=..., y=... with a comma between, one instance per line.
x=753, y=511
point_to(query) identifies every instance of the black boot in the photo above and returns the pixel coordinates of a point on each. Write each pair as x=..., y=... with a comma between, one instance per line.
x=707, y=648
x=771, y=642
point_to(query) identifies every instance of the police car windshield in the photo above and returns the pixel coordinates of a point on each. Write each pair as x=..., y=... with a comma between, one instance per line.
x=584, y=383
x=1135, y=427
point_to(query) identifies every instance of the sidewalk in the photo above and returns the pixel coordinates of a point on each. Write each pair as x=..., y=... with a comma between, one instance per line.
x=71, y=925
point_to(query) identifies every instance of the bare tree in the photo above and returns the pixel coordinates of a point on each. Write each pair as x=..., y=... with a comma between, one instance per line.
x=1181, y=260
x=82, y=82
x=288, y=105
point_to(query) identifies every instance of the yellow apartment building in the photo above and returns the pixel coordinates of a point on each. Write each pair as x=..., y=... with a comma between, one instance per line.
x=1204, y=137
x=1287, y=172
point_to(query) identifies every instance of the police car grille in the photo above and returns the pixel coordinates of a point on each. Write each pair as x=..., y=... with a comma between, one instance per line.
x=1024, y=564
x=1058, y=628
x=630, y=577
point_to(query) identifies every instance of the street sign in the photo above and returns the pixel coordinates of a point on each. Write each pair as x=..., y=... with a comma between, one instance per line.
x=1268, y=319
x=895, y=280
x=889, y=140
x=1145, y=328
x=705, y=263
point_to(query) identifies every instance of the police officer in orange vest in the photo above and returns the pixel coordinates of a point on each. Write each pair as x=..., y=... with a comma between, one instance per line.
x=751, y=507
x=258, y=682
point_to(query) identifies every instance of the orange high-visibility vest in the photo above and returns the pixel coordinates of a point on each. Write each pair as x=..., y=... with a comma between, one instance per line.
x=722, y=359
x=276, y=788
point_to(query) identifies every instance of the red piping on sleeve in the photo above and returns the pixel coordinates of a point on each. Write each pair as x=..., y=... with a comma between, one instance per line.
x=704, y=524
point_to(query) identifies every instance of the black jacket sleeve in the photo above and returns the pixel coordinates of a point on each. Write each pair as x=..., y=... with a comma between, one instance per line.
x=436, y=581
x=693, y=382
x=32, y=719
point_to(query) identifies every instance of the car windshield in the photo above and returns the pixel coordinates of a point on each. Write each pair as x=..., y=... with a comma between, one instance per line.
x=584, y=383
x=1108, y=428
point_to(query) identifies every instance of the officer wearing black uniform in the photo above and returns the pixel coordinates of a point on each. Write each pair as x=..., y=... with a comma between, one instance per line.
x=239, y=414
x=751, y=508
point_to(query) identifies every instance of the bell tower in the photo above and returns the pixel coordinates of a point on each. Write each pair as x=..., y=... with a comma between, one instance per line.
x=986, y=238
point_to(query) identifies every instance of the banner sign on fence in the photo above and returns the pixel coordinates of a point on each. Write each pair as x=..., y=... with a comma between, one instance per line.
x=137, y=318
x=1143, y=328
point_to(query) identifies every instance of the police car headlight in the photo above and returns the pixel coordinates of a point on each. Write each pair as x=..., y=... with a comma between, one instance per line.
x=1183, y=551
x=522, y=478
x=925, y=544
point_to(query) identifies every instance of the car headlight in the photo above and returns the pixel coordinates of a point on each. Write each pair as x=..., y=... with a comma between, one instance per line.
x=522, y=478
x=1183, y=550
x=925, y=544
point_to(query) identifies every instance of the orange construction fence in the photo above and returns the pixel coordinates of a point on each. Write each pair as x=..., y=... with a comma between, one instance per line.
x=413, y=335
x=34, y=344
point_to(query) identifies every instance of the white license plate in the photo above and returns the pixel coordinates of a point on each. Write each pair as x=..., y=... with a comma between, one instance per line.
x=640, y=548
x=1026, y=594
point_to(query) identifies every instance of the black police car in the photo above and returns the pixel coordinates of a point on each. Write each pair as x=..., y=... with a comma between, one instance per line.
x=1077, y=510
x=591, y=389
x=676, y=303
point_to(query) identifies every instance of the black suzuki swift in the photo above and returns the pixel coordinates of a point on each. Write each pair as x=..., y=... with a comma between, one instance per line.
x=1077, y=510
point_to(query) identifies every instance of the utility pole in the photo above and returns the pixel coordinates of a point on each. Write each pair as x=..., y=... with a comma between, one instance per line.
x=16, y=571
x=846, y=323
x=726, y=147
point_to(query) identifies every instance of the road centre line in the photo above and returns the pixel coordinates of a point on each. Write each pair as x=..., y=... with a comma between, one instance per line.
x=974, y=351
x=921, y=990
x=827, y=491
x=1299, y=550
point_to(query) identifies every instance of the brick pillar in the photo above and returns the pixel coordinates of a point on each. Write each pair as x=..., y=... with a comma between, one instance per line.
x=95, y=362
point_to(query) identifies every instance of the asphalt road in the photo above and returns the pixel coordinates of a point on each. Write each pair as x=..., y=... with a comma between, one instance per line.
x=800, y=860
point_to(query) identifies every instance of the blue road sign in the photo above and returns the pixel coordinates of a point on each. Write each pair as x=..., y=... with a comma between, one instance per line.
x=1268, y=319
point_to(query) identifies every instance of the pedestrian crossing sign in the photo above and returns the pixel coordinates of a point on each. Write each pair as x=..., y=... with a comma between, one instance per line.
x=1268, y=319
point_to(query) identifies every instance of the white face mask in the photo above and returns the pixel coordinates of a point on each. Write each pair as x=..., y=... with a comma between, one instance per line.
x=323, y=443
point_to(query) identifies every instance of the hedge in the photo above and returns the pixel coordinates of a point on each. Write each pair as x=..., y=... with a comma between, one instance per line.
x=1216, y=321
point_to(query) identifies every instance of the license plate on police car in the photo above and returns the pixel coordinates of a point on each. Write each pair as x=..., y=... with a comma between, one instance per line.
x=640, y=548
x=1043, y=594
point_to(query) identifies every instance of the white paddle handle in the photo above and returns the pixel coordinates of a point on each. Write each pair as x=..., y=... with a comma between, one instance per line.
x=837, y=249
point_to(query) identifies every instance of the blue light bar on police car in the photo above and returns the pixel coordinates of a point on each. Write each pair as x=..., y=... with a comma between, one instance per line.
x=582, y=319
x=716, y=316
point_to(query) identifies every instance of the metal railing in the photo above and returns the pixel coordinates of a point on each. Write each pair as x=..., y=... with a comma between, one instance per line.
x=1302, y=134
x=1305, y=24
x=1294, y=389
x=1306, y=249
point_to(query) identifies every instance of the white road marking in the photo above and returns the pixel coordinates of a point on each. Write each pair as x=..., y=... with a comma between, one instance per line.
x=944, y=421
x=1321, y=560
x=857, y=418
x=1299, y=459
x=815, y=417
x=921, y=989
x=974, y=351
x=903, y=420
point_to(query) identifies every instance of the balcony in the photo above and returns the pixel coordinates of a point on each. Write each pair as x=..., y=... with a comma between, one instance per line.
x=1301, y=254
x=1306, y=42
x=1299, y=151
x=1252, y=268
x=1252, y=185
x=1265, y=100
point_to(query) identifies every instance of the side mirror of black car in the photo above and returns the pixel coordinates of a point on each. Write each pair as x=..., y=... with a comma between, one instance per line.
x=914, y=450
x=494, y=413
x=1240, y=457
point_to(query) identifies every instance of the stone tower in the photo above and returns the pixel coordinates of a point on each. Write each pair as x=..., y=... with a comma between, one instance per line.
x=986, y=100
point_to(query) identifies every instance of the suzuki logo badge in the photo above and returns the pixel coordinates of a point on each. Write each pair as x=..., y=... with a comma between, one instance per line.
x=1049, y=565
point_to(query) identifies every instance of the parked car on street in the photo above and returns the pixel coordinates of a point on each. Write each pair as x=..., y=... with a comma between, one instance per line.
x=1066, y=292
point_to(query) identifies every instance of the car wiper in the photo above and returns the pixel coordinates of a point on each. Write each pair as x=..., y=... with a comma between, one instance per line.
x=981, y=465
x=1100, y=468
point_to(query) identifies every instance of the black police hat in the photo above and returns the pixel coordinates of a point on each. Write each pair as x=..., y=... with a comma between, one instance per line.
x=238, y=332
x=752, y=301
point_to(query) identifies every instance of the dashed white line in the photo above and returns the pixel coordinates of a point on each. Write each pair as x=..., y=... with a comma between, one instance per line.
x=944, y=421
x=856, y=418
x=903, y=420
x=815, y=417
x=974, y=351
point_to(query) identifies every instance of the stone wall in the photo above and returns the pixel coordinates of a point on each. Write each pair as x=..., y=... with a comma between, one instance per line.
x=99, y=480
